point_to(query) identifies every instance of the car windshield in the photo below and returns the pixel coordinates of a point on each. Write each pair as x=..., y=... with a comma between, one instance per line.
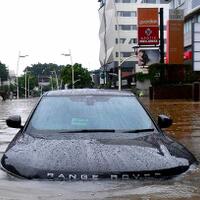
x=90, y=113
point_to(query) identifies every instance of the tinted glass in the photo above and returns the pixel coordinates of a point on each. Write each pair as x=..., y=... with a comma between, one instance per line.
x=89, y=112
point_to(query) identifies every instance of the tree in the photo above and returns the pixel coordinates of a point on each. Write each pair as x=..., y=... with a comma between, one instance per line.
x=45, y=69
x=32, y=80
x=38, y=72
x=82, y=78
x=3, y=72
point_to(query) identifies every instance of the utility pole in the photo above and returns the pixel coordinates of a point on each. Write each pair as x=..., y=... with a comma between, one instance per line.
x=17, y=79
x=25, y=90
x=72, y=69
x=119, y=51
x=162, y=42
x=28, y=86
x=70, y=55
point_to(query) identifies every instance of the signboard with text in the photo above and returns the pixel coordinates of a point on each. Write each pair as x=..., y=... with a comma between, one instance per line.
x=148, y=26
x=175, y=37
x=175, y=42
x=176, y=14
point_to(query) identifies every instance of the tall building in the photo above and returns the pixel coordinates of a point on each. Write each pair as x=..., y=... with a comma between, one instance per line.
x=118, y=32
x=192, y=15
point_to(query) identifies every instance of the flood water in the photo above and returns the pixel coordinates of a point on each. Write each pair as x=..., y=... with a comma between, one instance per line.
x=186, y=129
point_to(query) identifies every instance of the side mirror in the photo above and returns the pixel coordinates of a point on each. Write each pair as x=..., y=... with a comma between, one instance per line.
x=164, y=121
x=14, y=121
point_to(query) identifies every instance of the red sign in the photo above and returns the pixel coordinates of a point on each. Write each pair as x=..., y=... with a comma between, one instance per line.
x=175, y=42
x=188, y=55
x=148, y=35
x=148, y=29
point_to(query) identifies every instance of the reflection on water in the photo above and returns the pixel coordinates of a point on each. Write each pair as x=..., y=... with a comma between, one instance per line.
x=8, y=108
x=186, y=120
x=186, y=129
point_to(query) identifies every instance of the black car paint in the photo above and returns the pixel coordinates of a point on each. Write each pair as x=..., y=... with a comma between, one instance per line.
x=102, y=155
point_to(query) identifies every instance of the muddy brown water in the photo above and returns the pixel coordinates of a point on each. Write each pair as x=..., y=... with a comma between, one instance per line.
x=186, y=129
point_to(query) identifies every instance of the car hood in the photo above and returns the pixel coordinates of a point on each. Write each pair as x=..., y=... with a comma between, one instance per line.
x=95, y=155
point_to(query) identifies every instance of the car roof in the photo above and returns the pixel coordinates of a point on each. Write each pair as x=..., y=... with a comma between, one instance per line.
x=86, y=92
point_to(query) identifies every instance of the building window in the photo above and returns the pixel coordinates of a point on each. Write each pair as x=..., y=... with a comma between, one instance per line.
x=148, y=1
x=126, y=27
x=124, y=54
x=122, y=40
x=178, y=3
x=126, y=13
x=195, y=3
x=133, y=41
x=125, y=1
x=188, y=26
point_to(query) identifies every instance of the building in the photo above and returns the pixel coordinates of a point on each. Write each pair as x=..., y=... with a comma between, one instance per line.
x=191, y=15
x=95, y=75
x=12, y=77
x=118, y=33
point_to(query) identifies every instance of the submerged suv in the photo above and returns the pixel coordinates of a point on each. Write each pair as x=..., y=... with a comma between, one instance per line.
x=90, y=135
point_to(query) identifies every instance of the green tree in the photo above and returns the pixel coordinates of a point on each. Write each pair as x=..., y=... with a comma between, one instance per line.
x=46, y=69
x=3, y=72
x=82, y=78
x=31, y=79
x=21, y=81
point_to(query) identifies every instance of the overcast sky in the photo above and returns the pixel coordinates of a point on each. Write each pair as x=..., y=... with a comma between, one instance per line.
x=44, y=29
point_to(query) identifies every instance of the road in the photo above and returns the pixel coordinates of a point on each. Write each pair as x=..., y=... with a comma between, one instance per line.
x=186, y=129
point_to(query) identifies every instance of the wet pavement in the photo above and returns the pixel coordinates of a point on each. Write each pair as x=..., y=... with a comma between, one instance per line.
x=186, y=129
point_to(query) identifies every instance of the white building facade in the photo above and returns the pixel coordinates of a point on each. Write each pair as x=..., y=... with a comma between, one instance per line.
x=192, y=15
x=118, y=32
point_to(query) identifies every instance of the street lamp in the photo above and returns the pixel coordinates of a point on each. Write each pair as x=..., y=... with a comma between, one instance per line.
x=70, y=55
x=18, y=60
x=28, y=87
x=25, y=89
x=125, y=59
x=120, y=64
x=29, y=77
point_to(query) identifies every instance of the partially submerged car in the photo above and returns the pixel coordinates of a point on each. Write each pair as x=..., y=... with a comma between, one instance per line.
x=90, y=135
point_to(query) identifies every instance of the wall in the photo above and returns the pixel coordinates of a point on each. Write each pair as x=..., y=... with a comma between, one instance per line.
x=172, y=92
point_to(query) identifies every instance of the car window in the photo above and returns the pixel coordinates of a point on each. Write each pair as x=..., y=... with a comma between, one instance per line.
x=90, y=112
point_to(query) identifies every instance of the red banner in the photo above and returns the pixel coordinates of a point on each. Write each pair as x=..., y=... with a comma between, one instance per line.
x=148, y=36
x=148, y=29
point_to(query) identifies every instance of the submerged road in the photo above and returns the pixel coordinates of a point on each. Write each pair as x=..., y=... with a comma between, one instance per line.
x=186, y=129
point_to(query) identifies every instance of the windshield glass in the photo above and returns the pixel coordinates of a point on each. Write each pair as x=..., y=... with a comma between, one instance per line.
x=90, y=113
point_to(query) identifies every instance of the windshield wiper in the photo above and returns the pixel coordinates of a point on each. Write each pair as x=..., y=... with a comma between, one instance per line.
x=88, y=131
x=139, y=130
